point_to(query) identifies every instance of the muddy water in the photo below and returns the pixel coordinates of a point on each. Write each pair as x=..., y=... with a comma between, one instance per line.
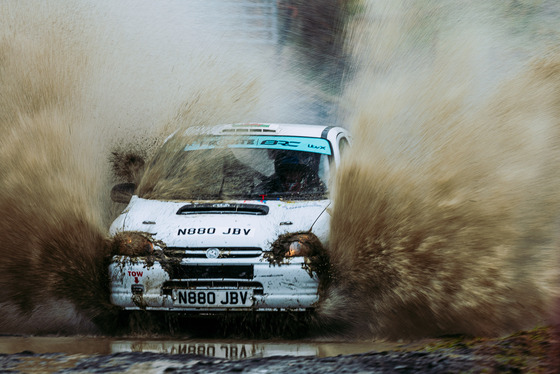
x=80, y=81
x=445, y=211
x=445, y=214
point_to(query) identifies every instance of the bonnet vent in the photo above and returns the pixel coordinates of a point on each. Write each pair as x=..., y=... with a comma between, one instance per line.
x=221, y=208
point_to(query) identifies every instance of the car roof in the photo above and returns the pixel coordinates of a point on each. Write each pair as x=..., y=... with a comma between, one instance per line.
x=283, y=129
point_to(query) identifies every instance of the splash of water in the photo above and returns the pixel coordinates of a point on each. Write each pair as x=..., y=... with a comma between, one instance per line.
x=446, y=209
x=81, y=80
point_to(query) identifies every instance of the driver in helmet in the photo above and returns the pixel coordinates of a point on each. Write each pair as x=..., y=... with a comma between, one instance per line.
x=290, y=175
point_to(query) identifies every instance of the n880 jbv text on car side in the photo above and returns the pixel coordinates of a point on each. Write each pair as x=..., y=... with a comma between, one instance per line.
x=227, y=218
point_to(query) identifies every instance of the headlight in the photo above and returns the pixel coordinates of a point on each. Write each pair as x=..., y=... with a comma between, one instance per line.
x=294, y=244
x=132, y=244
x=298, y=248
x=302, y=244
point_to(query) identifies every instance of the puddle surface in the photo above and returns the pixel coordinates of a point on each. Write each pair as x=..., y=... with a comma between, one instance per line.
x=229, y=349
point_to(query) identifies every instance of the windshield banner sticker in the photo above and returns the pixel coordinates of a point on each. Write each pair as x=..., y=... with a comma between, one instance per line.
x=294, y=143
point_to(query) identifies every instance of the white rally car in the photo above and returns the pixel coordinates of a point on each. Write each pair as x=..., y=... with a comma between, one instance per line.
x=227, y=218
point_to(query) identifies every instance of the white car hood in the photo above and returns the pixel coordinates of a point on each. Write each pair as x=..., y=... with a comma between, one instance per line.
x=194, y=229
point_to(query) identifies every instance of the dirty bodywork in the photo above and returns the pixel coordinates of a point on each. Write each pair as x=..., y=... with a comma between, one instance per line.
x=246, y=241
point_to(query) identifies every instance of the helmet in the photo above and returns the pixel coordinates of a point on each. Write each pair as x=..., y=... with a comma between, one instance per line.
x=293, y=175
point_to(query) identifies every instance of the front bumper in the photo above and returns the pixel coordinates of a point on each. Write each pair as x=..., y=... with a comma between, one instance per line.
x=137, y=284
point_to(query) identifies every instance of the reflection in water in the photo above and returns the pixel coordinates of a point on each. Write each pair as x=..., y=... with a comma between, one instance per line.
x=227, y=349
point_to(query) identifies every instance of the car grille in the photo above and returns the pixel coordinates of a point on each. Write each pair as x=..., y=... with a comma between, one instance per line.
x=228, y=252
x=212, y=284
x=211, y=272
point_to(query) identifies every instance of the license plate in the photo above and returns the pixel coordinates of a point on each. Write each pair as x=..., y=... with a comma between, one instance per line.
x=213, y=298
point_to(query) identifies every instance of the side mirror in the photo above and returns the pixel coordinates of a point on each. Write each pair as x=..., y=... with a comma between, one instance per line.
x=122, y=192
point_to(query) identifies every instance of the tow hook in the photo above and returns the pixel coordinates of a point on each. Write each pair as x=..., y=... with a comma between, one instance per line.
x=137, y=289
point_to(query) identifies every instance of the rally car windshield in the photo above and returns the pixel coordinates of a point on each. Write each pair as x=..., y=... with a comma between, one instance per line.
x=251, y=167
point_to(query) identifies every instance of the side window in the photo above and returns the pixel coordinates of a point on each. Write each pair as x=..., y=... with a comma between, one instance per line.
x=343, y=147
